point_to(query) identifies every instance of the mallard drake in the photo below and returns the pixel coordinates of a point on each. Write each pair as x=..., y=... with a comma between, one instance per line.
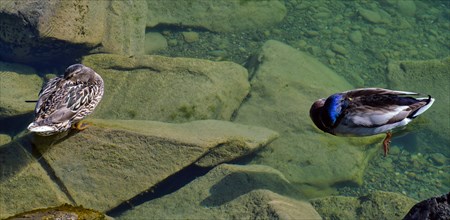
x=64, y=101
x=368, y=111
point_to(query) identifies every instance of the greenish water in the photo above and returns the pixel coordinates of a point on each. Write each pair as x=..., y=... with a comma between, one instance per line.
x=419, y=162
x=348, y=41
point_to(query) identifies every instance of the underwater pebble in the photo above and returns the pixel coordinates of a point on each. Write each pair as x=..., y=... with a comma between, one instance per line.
x=356, y=37
x=301, y=44
x=154, y=41
x=330, y=53
x=338, y=49
x=322, y=15
x=314, y=50
x=411, y=175
x=369, y=15
x=438, y=159
x=218, y=53
x=403, y=24
x=406, y=8
x=394, y=150
x=387, y=164
x=166, y=33
x=379, y=31
x=337, y=30
x=172, y=42
x=332, y=61
x=277, y=31
x=190, y=36
x=312, y=33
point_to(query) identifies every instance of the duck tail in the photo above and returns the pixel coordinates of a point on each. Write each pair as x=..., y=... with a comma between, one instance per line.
x=429, y=102
x=35, y=127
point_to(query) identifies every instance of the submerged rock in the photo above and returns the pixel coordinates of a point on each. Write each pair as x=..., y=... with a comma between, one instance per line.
x=284, y=87
x=24, y=183
x=376, y=205
x=63, y=212
x=168, y=89
x=230, y=192
x=432, y=208
x=217, y=16
x=18, y=83
x=43, y=32
x=117, y=160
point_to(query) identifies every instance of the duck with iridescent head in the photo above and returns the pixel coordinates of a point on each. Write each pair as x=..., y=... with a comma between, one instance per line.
x=368, y=111
x=64, y=101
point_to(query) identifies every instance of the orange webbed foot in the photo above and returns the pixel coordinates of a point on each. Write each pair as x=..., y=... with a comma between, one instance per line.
x=80, y=126
x=386, y=143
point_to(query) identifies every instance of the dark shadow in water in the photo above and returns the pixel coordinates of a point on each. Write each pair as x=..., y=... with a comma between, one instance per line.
x=14, y=157
x=240, y=183
x=15, y=124
x=170, y=185
x=41, y=51
x=167, y=186
x=29, y=148
x=175, y=28
x=39, y=145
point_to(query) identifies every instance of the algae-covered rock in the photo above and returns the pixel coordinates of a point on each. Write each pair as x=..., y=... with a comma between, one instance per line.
x=65, y=212
x=218, y=16
x=284, y=87
x=41, y=32
x=428, y=77
x=375, y=16
x=18, y=83
x=24, y=183
x=125, y=27
x=230, y=192
x=154, y=41
x=376, y=205
x=116, y=160
x=168, y=89
x=4, y=139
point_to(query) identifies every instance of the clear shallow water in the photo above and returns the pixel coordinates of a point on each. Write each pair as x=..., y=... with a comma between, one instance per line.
x=419, y=162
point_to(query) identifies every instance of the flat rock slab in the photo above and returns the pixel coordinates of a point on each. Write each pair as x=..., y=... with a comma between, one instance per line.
x=168, y=89
x=18, y=83
x=117, y=160
x=376, y=205
x=230, y=192
x=24, y=184
x=285, y=85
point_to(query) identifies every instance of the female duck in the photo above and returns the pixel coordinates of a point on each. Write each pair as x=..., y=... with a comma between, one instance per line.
x=368, y=111
x=65, y=101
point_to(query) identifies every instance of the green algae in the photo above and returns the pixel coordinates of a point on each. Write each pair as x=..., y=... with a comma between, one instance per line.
x=65, y=211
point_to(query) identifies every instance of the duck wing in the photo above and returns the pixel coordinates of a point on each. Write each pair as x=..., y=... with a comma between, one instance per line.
x=73, y=105
x=48, y=100
x=375, y=91
x=382, y=108
x=61, y=100
x=368, y=116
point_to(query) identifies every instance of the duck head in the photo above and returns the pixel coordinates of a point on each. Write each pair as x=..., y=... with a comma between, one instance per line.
x=326, y=112
x=78, y=73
